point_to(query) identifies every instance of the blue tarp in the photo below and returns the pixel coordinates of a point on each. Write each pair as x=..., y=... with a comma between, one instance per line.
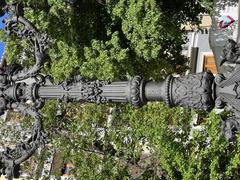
x=1, y=19
x=2, y=44
x=2, y=48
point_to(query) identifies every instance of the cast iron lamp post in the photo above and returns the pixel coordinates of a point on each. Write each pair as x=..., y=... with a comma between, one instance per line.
x=198, y=91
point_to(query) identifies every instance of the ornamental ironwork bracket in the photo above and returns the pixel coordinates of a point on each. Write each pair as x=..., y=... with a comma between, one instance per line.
x=198, y=91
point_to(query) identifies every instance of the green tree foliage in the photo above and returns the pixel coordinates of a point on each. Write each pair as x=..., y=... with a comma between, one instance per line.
x=110, y=41
x=108, y=148
x=105, y=147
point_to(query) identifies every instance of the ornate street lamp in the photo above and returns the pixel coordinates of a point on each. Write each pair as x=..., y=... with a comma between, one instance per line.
x=198, y=91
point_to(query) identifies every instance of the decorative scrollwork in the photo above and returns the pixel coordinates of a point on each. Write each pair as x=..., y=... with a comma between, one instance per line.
x=13, y=94
x=91, y=91
x=230, y=127
x=12, y=158
x=20, y=26
x=136, y=97
x=231, y=52
x=227, y=89
x=193, y=91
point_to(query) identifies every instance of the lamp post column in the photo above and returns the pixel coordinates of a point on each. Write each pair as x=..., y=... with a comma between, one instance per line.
x=192, y=91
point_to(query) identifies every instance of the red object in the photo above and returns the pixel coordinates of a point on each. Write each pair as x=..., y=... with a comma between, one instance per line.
x=227, y=21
